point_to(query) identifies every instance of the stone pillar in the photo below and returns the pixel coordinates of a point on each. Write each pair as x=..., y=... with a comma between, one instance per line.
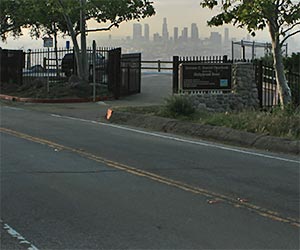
x=244, y=86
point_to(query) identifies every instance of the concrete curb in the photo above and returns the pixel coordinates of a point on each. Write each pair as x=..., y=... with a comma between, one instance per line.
x=221, y=134
x=60, y=100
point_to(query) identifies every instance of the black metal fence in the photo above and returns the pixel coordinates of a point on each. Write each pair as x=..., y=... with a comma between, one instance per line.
x=58, y=65
x=267, y=85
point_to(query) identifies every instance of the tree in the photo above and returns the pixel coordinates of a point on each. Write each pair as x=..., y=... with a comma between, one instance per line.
x=281, y=17
x=70, y=17
x=292, y=63
x=12, y=18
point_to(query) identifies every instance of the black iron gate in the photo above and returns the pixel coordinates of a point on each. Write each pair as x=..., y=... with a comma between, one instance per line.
x=124, y=73
x=11, y=66
x=131, y=74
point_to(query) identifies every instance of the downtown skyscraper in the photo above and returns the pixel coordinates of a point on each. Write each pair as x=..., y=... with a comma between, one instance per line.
x=165, y=32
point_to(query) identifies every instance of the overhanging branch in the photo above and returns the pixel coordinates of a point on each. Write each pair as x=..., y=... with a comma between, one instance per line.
x=288, y=36
x=291, y=27
x=103, y=29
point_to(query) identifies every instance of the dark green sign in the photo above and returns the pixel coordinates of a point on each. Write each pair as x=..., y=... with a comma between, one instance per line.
x=205, y=76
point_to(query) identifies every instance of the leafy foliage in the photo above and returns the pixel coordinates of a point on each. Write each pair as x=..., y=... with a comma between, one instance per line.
x=255, y=15
x=281, y=17
x=292, y=63
x=178, y=106
x=40, y=15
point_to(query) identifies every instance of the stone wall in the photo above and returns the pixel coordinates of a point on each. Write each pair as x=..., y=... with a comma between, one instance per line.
x=244, y=94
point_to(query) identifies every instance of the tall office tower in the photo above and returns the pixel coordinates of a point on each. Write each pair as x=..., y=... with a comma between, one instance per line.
x=176, y=34
x=216, y=41
x=184, y=34
x=194, y=32
x=137, y=31
x=226, y=35
x=165, y=32
x=146, y=32
x=226, y=44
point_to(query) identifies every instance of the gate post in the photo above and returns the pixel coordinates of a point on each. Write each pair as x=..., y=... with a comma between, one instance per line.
x=175, y=74
x=114, y=72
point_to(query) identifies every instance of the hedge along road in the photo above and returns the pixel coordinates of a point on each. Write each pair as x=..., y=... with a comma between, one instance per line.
x=72, y=183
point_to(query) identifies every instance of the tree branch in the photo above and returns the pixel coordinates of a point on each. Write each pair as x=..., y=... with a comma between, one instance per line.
x=288, y=36
x=103, y=29
x=291, y=27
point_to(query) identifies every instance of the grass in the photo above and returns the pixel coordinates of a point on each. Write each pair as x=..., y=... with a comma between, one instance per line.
x=275, y=122
x=38, y=89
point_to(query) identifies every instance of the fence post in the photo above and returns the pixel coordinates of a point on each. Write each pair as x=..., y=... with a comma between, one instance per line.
x=159, y=66
x=28, y=65
x=175, y=74
x=94, y=70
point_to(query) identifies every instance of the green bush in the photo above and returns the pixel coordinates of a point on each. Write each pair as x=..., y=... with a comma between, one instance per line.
x=178, y=106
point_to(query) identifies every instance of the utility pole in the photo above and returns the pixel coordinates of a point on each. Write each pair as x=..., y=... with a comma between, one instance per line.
x=85, y=66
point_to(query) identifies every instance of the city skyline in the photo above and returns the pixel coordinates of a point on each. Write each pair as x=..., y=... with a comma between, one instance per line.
x=179, y=13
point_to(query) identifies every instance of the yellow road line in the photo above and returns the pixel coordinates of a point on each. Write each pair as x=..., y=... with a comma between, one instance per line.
x=170, y=182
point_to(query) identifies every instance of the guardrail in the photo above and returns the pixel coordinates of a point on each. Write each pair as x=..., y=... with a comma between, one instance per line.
x=158, y=65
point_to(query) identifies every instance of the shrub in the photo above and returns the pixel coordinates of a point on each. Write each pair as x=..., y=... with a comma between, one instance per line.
x=178, y=106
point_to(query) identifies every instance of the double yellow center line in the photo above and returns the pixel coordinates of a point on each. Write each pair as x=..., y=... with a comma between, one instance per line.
x=238, y=203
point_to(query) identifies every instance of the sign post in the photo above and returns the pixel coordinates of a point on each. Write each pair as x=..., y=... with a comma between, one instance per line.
x=48, y=43
x=94, y=70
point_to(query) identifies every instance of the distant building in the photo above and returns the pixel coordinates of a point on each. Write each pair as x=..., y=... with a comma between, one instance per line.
x=137, y=31
x=216, y=42
x=146, y=32
x=194, y=32
x=165, y=32
x=226, y=42
x=226, y=35
x=156, y=37
x=184, y=34
x=176, y=36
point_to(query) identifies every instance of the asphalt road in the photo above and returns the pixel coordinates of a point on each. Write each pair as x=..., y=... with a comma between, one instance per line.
x=79, y=184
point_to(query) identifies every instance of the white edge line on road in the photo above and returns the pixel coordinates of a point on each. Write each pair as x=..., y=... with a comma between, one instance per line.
x=22, y=241
x=180, y=139
x=13, y=108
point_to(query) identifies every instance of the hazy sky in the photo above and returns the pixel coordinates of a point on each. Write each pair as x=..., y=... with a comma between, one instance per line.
x=179, y=13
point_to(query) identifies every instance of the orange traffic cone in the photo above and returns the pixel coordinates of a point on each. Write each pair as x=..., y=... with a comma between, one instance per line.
x=109, y=113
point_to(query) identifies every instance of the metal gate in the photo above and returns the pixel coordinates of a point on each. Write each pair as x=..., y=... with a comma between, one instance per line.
x=11, y=66
x=131, y=74
x=124, y=73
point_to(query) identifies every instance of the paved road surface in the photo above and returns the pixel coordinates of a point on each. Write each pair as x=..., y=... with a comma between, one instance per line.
x=79, y=184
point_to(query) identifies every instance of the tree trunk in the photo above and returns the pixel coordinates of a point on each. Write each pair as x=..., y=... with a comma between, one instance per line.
x=55, y=50
x=85, y=66
x=282, y=85
x=75, y=43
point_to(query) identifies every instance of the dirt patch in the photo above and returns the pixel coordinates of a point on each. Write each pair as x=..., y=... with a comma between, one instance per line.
x=39, y=88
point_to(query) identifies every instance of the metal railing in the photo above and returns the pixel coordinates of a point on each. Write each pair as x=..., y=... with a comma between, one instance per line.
x=158, y=65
